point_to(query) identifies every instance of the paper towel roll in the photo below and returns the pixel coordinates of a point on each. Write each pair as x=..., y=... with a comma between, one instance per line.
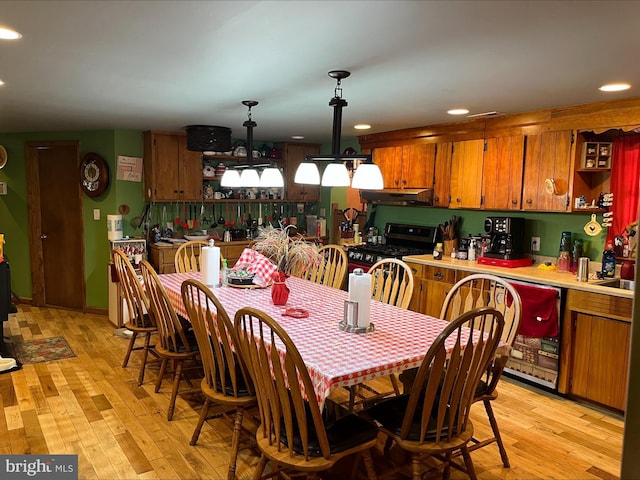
x=114, y=227
x=210, y=266
x=360, y=291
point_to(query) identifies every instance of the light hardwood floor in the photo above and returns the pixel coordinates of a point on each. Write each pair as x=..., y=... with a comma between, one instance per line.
x=91, y=406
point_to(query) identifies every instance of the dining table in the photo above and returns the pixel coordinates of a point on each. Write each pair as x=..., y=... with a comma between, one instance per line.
x=334, y=357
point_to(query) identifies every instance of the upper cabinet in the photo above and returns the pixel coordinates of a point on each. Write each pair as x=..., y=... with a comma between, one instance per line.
x=466, y=174
x=442, y=174
x=292, y=155
x=502, y=173
x=171, y=172
x=548, y=171
x=406, y=166
x=592, y=173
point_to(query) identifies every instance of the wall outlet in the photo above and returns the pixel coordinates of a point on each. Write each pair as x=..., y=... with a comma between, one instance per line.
x=96, y=214
x=535, y=244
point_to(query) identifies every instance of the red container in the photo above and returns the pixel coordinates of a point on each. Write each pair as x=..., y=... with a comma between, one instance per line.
x=627, y=270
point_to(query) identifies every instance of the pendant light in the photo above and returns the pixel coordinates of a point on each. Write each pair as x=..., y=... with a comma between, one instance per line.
x=249, y=176
x=335, y=173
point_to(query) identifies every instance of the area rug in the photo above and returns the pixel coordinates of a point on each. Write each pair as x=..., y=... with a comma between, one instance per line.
x=43, y=350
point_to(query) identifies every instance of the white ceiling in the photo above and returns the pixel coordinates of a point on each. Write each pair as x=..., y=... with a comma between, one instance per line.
x=162, y=65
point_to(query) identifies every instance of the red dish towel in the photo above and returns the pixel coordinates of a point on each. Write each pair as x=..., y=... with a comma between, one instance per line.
x=539, y=311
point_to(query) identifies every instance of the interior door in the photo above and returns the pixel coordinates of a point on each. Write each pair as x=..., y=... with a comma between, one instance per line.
x=55, y=225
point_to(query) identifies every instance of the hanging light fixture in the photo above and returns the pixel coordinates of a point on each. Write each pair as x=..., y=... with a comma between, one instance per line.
x=249, y=176
x=335, y=173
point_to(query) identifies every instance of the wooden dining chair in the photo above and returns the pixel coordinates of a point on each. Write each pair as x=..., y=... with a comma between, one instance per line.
x=391, y=282
x=476, y=291
x=293, y=434
x=137, y=303
x=433, y=420
x=226, y=381
x=177, y=344
x=332, y=270
x=187, y=257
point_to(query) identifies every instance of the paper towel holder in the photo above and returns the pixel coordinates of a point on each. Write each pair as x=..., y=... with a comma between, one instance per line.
x=351, y=312
x=353, y=329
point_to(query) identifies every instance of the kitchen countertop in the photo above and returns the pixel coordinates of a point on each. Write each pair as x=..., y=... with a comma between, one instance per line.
x=528, y=274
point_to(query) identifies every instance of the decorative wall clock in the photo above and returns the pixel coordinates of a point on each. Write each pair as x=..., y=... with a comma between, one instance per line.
x=94, y=174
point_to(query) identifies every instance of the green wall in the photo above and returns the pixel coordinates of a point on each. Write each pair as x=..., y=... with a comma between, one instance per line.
x=547, y=226
x=13, y=206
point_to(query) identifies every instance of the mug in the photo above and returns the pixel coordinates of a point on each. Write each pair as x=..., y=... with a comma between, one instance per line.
x=217, y=195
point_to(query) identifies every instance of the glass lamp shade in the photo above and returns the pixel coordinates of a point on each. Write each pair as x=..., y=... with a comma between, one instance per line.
x=308, y=174
x=271, y=177
x=335, y=175
x=368, y=177
x=230, y=178
x=249, y=178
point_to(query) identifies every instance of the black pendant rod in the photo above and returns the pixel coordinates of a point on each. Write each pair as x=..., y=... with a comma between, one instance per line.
x=337, y=102
x=250, y=124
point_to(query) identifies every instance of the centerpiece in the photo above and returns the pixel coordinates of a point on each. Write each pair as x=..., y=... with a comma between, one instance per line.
x=292, y=255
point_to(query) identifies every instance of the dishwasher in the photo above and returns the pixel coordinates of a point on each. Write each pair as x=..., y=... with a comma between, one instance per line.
x=535, y=355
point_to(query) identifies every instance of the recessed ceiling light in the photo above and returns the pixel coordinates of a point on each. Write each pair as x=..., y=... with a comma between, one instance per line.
x=615, y=87
x=458, y=111
x=8, y=34
x=362, y=126
x=297, y=137
x=1, y=83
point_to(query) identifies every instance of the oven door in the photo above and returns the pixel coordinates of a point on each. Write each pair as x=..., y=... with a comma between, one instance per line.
x=353, y=264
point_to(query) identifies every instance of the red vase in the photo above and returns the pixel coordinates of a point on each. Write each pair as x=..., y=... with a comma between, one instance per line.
x=279, y=290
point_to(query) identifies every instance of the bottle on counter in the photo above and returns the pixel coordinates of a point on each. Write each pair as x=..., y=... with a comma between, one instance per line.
x=609, y=261
x=225, y=272
x=575, y=255
x=564, y=257
x=438, y=252
x=472, y=250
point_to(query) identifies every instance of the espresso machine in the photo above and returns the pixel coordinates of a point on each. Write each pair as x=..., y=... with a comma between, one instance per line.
x=506, y=237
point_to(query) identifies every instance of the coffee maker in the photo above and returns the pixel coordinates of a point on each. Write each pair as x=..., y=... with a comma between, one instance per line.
x=506, y=237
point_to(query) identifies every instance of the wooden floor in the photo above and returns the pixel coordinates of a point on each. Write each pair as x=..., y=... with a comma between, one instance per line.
x=91, y=406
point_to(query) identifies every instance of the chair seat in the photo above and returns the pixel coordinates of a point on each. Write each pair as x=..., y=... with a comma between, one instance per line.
x=343, y=434
x=191, y=340
x=147, y=324
x=389, y=413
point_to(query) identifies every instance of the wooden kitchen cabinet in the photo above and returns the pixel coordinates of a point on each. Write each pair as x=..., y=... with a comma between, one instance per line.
x=547, y=171
x=590, y=179
x=502, y=173
x=171, y=172
x=162, y=256
x=406, y=166
x=595, y=347
x=292, y=155
x=431, y=285
x=466, y=174
x=442, y=174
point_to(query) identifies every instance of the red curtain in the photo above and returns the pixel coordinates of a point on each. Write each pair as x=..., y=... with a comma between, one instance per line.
x=625, y=183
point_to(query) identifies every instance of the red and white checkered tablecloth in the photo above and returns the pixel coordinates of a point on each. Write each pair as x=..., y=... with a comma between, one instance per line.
x=258, y=264
x=333, y=357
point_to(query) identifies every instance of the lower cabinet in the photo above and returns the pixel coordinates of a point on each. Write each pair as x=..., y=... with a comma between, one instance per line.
x=431, y=286
x=596, y=354
x=162, y=256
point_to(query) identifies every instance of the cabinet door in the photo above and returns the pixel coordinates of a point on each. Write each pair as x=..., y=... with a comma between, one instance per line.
x=502, y=173
x=600, y=363
x=435, y=294
x=417, y=165
x=389, y=159
x=466, y=174
x=442, y=174
x=293, y=154
x=547, y=168
x=162, y=159
x=190, y=179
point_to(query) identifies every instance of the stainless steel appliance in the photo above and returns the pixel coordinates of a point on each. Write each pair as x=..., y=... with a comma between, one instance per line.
x=506, y=237
x=535, y=358
x=399, y=240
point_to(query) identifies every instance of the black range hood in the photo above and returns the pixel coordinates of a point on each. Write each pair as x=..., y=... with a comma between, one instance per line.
x=419, y=197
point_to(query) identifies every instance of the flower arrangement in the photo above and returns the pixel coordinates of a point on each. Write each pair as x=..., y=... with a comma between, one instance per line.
x=290, y=254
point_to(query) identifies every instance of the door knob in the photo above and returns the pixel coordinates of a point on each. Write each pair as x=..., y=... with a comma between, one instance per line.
x=43, y=236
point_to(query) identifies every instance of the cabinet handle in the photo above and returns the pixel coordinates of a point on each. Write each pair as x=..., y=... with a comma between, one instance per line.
x=436, y=199
x=438, y=275
x=175, y=191
x=529, y=201
x=514, y=202
x=458, y=200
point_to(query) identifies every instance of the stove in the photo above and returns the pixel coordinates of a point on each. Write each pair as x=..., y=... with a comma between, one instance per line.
x=400, y=240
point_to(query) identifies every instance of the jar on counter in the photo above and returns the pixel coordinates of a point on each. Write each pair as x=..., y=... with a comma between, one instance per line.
x=438, y=252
